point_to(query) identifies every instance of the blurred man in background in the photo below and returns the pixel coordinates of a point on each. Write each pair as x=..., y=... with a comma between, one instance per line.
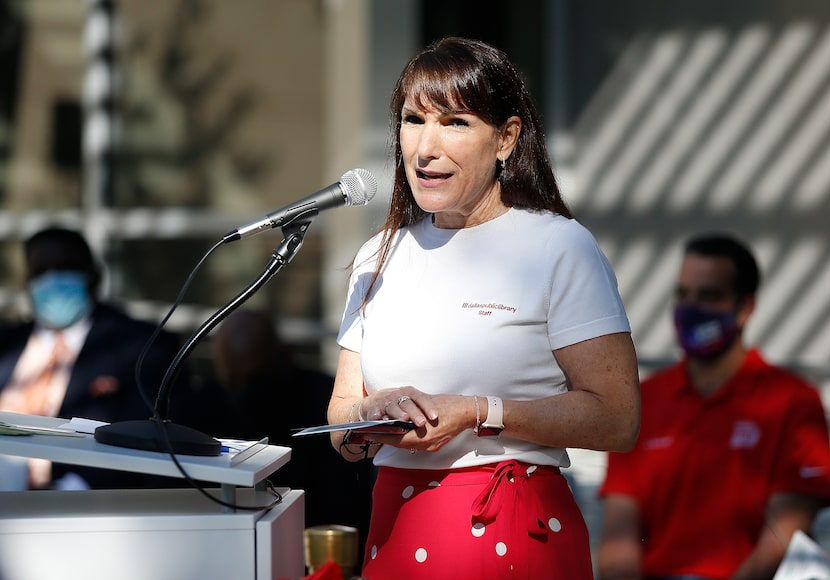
x=77, y=357
x=733, y=454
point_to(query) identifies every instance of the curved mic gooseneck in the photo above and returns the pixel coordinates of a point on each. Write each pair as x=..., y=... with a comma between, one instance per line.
x=355, y=187
x=159, y=434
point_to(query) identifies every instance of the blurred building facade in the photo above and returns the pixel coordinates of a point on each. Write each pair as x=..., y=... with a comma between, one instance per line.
x=217, y=114
x=664, y=118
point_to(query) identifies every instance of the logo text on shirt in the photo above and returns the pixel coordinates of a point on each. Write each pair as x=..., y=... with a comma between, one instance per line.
x=487, y=308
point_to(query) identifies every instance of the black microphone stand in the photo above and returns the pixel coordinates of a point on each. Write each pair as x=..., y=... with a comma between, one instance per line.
x=158, y=433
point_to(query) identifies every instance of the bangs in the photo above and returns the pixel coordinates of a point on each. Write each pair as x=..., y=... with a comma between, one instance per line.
x=449, y=87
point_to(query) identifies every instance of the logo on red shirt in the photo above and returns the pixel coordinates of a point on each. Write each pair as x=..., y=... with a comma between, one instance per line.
x=745, y=435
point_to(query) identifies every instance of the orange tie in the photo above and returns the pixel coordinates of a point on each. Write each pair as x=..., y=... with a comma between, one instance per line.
x=37, y=396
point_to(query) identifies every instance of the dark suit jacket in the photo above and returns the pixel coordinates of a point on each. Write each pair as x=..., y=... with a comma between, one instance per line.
x=107, y=359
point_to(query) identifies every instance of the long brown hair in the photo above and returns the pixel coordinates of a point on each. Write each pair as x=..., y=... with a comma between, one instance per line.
x=465, y=75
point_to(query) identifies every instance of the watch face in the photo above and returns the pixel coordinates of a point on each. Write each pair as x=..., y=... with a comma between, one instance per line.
x=485, y=431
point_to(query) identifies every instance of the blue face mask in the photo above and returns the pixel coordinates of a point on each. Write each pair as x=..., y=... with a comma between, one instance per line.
x=704, y=333
x=60, y=298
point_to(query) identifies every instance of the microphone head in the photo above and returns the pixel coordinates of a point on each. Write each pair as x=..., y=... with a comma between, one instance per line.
x=359, y=186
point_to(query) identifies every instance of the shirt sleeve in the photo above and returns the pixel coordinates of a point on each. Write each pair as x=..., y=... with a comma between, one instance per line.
x=589, y=304
x=350, y=335
x=619, y=478
x=803, y=463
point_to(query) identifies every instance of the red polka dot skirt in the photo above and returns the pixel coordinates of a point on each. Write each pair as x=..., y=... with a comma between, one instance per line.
x=507, y=520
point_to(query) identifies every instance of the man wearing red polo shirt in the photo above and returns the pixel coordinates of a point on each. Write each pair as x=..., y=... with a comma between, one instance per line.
x=733, y=455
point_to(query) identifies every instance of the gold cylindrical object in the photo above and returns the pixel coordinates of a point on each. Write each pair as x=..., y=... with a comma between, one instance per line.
x=331, y=543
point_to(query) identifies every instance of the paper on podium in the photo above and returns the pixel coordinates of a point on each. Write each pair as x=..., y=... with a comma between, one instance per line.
x=15, y=429
x=239, y=450
x=380, y=427
x=82, y=425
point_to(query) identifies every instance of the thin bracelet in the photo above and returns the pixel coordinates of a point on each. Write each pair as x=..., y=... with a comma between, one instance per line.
x=360, y=410
x=478, y=416
x=351, y=411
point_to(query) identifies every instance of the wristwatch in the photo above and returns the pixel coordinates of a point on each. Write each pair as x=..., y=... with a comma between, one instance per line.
x=494, y=424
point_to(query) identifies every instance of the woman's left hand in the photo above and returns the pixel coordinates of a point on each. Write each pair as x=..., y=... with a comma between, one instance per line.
x=404, y=403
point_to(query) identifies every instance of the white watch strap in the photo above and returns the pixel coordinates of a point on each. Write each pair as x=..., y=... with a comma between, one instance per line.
x=495, y=413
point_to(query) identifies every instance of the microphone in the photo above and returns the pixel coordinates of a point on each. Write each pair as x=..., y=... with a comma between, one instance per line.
x=355, y=187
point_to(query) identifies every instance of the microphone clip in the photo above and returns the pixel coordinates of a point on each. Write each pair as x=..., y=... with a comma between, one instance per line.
x=293, y=236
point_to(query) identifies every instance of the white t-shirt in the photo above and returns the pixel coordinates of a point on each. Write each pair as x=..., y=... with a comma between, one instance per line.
x=478, y=311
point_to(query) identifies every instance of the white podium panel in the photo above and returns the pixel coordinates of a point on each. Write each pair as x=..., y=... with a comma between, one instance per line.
x=280, y=551
x=173, y=534
x=158, y=534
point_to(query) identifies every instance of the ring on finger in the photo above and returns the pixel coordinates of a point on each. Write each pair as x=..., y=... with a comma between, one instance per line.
x=402, y=399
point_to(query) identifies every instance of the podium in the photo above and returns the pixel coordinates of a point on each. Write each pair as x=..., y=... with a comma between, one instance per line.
x=164, y=534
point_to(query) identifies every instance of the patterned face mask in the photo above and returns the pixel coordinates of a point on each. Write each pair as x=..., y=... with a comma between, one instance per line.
x=60, y=298
x=704, y=333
